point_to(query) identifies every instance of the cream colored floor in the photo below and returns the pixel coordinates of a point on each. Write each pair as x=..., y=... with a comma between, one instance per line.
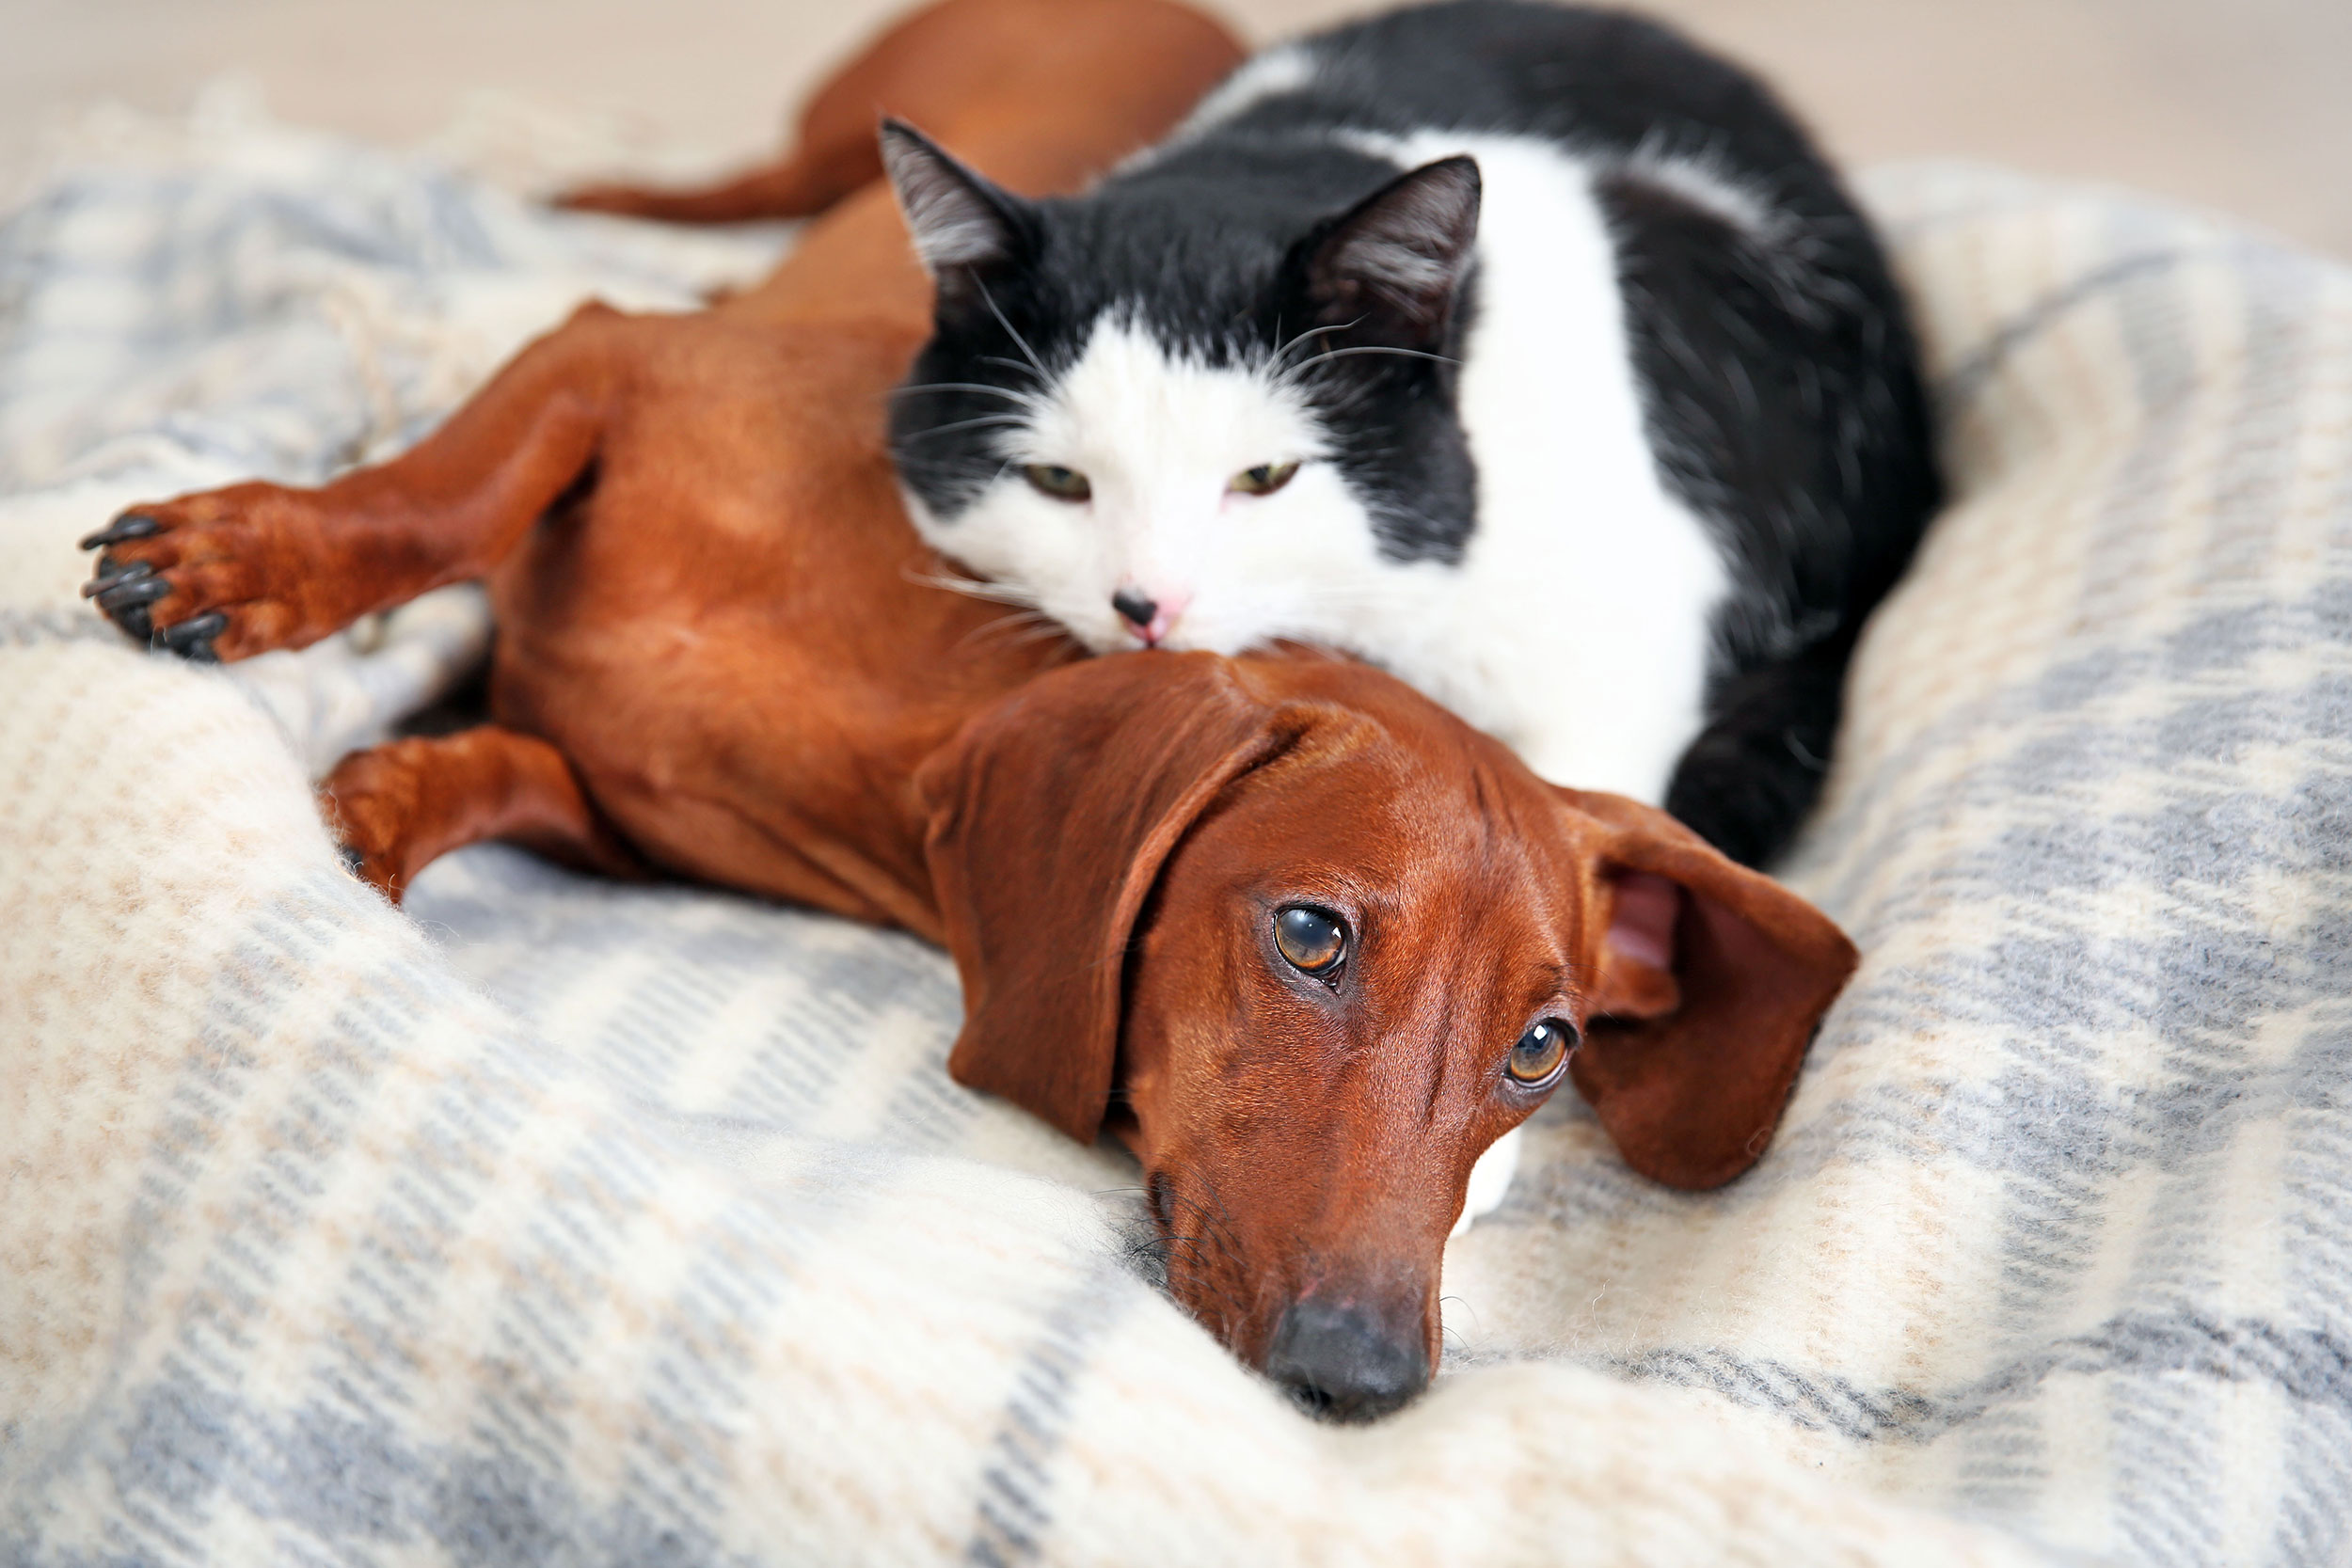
x=2245, y=104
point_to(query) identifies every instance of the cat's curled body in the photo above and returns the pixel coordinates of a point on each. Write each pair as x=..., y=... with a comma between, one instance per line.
x=1527, y=351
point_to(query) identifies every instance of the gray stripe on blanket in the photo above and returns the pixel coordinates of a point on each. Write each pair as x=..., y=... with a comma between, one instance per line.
x=1017, y=1481
x=2310, y=1367
x=352, y=1483
x=336, y=1464
x=660, y=968
x=1963, y=382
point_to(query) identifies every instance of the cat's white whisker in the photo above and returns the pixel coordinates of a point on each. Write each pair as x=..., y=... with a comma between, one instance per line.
x=1019, y=627
x=1000, y=592
x=1028, y=400
x=1035, y=363
x=1332, y=354
x=976, y=423
x=1274, y=368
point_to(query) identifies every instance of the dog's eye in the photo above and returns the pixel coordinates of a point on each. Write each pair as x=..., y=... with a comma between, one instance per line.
x=1536, y=1060
x=1264, y=480
x=1312, y=940
x=1063, y=485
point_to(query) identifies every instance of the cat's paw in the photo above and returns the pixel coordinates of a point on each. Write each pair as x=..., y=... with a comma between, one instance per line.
x=213, y=575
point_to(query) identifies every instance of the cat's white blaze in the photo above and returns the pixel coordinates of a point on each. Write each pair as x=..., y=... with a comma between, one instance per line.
x=1575, y=626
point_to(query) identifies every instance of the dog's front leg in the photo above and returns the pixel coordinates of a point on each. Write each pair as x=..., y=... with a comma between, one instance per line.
x=227, y=574
x=399, y=807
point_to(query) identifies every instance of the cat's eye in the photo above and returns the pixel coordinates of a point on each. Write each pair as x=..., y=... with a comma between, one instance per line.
x=1264, y=480
x=1312, y=940
x=1535, y=1061
x=1052, y=479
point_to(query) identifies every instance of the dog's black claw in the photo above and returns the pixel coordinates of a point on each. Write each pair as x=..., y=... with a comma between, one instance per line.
x=130, y=591
x=130, y=525
x=192, y=638
x=124, y=593
x=112, y=574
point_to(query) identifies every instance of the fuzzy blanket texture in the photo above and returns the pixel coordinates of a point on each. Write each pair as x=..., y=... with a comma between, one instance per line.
x=557, y=1221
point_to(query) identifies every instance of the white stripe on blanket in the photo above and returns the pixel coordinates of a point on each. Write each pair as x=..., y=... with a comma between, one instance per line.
x=577, y=1223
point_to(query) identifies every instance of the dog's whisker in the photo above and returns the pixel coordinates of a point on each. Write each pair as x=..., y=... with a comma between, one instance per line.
x=1220, y=1230
x=1192, y=1269
x=1216, y=1224
x=1199, y=1279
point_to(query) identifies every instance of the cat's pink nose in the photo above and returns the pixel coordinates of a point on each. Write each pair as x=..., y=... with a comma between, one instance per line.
x=1147, y=617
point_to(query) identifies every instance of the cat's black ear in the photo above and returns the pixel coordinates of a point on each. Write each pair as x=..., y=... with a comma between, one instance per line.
x=962, y=224
x=1394, y=263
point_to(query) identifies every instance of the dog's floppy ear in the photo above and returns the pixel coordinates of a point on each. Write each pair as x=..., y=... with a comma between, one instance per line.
x=1711, y=980
x=1051, y=816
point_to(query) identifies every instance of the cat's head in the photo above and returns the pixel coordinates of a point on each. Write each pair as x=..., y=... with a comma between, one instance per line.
x=1181, y=410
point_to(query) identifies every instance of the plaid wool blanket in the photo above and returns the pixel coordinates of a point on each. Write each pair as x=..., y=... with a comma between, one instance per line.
x=558, y=1221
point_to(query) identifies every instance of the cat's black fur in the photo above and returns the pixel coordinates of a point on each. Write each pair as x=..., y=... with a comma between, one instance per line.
x=1781, y=391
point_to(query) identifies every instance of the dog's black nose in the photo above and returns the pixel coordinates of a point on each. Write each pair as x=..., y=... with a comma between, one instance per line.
x=1339, y=1362
x=1134, y=608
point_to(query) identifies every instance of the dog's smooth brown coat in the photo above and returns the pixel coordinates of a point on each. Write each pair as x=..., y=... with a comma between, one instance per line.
x=722, y=653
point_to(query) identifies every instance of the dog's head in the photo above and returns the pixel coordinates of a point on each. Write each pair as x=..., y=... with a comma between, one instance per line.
x=1309, y=944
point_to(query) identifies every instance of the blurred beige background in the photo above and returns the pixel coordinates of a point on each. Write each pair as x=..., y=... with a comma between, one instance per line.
x=2244, y=104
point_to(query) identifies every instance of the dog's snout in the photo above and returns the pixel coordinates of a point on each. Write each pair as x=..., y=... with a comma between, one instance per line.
x=1342, y=1363
x=1135, y=607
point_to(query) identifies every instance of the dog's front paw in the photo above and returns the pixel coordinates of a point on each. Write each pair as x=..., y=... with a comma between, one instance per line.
x=213, y=575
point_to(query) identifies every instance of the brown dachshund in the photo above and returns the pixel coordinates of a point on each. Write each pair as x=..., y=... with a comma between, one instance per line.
x=1305, y=941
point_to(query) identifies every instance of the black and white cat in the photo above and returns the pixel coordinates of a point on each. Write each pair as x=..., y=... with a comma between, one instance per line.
x=1528, y=351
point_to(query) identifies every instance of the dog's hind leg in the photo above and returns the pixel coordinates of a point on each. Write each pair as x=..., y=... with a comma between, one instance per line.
x=399, y=807
x=227, y=574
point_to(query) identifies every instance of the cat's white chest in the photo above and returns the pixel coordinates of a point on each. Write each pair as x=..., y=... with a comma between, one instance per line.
x=1576, y=626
